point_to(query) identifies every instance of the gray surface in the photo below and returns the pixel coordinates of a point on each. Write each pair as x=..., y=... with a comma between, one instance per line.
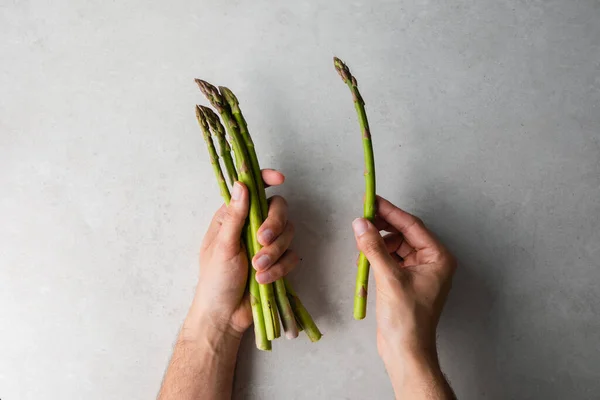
x=485, y=118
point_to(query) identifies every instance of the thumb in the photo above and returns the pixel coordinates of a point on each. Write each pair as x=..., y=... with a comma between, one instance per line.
x=370, y=242
x=235, y=215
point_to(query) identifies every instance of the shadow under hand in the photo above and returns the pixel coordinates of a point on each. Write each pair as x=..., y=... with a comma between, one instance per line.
x=244, y=373
x=473, y=326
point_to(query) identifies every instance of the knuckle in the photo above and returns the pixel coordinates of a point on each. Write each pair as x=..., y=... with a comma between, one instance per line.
x=418, y=221
x=371, y=246
x=276, y=223
x=228, y=217
x=220, y=214
x=231, y=215
x=227, y=247
x=278, y=249
x=280, y=200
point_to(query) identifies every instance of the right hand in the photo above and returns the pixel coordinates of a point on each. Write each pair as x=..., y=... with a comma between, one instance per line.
x=413, y=273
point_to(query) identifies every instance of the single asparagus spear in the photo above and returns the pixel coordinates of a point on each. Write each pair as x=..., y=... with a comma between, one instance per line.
x=260, y=334
x=362, y=275
x=283, y=304
x=302, y=316
x=224, y=148
x=212, y=152
x=267, y=298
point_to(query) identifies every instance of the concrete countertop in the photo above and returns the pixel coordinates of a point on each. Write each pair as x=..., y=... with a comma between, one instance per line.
x=485, y=119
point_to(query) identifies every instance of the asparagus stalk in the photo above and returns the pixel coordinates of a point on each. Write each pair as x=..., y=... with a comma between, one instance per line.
x=362, y=275
x=212, y=152
x=303, y=318
x=260, y=334
x=224, y=148
x=207, y=118
x=267, y=298
x=283, y=304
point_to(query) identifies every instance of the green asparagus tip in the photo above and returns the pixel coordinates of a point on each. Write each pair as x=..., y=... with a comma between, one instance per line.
x=210, y=115
x=228, y=95
x=201, y=117
x=343, y=70
x=211, y=93
x=230, y=99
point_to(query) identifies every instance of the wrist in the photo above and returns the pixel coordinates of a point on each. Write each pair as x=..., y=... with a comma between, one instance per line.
x=411, y=364
x=415, y=373
x=203, y=362
x=203, y=331
x=409, y=355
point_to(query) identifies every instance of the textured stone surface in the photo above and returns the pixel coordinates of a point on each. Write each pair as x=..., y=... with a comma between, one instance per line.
x=485, y=119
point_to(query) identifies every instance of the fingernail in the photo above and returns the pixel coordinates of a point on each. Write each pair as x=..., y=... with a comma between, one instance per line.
x=267, y=236
x=360, y=226
x=262, y=262
x=236, y=193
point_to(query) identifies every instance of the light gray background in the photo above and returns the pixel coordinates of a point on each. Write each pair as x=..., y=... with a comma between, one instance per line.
x=485, y=118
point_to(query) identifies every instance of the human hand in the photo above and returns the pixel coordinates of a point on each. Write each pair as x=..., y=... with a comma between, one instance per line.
x=221, y=301
x=413, y=273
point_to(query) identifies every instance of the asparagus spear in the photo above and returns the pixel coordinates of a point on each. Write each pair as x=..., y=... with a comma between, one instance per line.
x=362, y=275
x=303, y=318
x=283, y=304
x=204, y=114
x=267, y=298
x=260, y=334
x=212, y=152
x=225, y=150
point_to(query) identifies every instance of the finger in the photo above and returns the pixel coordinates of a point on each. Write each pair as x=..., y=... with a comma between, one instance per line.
x=281, y=268
x=405, y=250
x=370, y=242
x=275, y=222
x=383, y=225
x=393, y=241
x=234, y=217
x=398, y=259
x=272, y=177
x=396, y=245
x=268, y=255
x=413, y=229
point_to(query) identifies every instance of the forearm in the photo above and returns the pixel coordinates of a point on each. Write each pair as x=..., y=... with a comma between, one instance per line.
x=417, y=375
x=202, y=365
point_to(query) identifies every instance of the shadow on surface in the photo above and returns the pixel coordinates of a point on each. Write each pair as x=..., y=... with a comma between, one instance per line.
x=468, y=334
x=310, y=212
x=475, y=333
x=244, y=373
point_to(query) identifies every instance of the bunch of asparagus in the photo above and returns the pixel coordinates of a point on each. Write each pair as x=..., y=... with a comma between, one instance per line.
x=269, y=302
x=362, y=275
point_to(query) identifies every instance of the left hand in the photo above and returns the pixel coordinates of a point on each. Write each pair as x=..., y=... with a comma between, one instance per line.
x=221, y=300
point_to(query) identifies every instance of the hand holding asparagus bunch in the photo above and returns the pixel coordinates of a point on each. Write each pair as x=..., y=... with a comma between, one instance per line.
x=362, y=275
x=269, y=302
